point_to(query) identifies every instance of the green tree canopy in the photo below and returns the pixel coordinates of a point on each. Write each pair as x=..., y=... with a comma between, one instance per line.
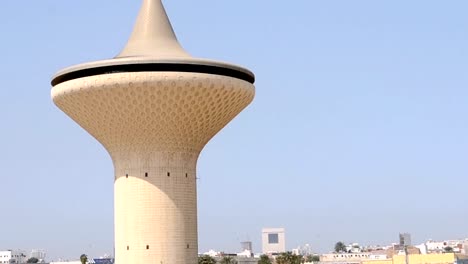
x=205, y=259
x=33, y=260
x=448, y=249
x=289, y=258
x=228, y=260
x=312, y=258
x=340, y=247
x=264, y=259
x=83, y=258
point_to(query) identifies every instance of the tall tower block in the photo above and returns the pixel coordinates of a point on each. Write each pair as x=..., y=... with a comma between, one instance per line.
x=154, y=107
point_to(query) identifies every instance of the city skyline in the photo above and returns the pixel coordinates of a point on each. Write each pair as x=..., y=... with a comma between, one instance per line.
x=430, y=246
x=358, y=130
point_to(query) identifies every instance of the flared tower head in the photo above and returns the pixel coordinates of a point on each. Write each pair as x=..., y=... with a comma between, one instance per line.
x=153, y=96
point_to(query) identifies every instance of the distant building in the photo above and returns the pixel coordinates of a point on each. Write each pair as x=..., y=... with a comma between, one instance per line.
x=353, y=248
x=382, y=258
x=13, y=256
x=212, y=253
x=304, y=250
x=465, y=247
x=273, y=240
x=422, y=248
x=352, y=258
x=457, y=246
x=403, y=250
x=435, y=246
x=245, y=254
x=247, y=251
x=405, y=239
x=5, y=256
x=448, y=258
x=39, y=254
x=246, y=245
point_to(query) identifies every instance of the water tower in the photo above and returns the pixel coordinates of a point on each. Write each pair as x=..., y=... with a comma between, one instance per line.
x=154, y=107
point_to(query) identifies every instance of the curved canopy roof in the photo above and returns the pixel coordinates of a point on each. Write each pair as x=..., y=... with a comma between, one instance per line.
x=153, y=46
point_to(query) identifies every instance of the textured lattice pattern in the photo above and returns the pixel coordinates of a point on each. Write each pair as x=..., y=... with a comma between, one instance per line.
x=154, y=125
x=134, y=112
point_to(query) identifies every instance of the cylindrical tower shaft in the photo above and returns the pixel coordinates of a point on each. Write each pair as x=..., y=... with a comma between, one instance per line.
x=156, y=209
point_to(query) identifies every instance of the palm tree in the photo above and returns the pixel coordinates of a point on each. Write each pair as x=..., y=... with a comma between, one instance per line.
x=228, y=260
x=289, y=258
x=264, y=259
x=83, y=258
x=205, y=259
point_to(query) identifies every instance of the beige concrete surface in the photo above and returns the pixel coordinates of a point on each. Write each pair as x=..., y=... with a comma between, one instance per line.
x=153, y=35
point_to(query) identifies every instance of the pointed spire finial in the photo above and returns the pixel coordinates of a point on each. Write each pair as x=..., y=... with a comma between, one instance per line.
x=153, y=35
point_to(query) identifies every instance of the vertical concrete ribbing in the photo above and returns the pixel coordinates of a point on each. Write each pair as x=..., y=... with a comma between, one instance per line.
x=158, y=210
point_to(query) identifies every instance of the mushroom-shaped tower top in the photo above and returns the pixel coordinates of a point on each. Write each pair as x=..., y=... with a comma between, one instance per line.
x=153, y=35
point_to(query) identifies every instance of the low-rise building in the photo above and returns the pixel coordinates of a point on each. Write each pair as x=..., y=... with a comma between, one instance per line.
x=352, y=258
x=39, y=254
x=447, y=258
x=13, y=256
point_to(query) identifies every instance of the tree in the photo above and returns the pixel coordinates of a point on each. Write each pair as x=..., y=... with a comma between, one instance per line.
x=289, y=258
x=264, y=259
x=448, y=249
x=205, y=259
x=228, y=260
x=340, y=247
x=83, y=258
x=32, y=260
x=312, y=258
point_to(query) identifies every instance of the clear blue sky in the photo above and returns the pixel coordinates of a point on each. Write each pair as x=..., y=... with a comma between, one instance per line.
x=359, y=128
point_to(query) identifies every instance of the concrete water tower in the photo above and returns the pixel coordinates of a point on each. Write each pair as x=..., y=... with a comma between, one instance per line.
x=154, y=107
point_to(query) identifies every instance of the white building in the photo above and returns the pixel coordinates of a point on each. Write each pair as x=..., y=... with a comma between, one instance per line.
x=439, y=246
x=245, y=254
x=352, y=257
x=5, y=256
x=353, y=248
x=304, y=250
x=273, y=240
x=13, y=256
x=464, y=249
x=422, y=248
x=212, y=253
x=39, y=254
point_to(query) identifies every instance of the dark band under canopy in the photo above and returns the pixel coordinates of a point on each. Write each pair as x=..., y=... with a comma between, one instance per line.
x=153, y=67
